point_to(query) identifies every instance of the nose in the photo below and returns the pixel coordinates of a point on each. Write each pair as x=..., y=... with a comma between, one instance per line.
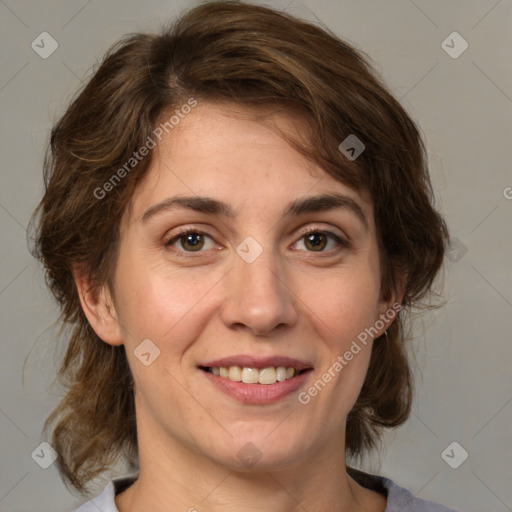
x=258, y=297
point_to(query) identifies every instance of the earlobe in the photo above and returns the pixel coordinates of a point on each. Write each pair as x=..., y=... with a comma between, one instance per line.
x=99, y=309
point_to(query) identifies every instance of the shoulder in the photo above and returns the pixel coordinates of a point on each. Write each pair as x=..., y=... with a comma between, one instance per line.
x=106, y=500
x=399, y=499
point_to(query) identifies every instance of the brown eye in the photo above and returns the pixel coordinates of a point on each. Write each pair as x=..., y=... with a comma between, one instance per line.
x=321, y=241
x=315, y=241
x=190, y=241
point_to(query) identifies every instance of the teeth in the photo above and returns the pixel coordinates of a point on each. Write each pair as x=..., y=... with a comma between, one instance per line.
x=250, y=375
x=269, y=375
x=235, y=373
x=281, y=373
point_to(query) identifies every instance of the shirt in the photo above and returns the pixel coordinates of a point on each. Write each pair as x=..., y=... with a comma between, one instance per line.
x=398, y=498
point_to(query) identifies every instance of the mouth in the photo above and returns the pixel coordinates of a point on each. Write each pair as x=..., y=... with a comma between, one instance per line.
x=250, y=375
x=256, y=382
x=252, y=380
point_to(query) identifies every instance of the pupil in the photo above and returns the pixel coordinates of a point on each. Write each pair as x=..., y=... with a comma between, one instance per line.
x=193, y=241
x=313, y=240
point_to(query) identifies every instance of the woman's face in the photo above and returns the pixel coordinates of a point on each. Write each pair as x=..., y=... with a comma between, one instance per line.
x=248, y=287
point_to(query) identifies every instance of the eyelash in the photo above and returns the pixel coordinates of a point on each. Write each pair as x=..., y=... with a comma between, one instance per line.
x=190, y=254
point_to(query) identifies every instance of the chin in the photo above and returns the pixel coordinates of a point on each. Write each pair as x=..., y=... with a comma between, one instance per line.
x=260, y=453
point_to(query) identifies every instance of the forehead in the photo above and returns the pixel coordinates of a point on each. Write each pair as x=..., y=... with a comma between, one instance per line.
x=238, y=156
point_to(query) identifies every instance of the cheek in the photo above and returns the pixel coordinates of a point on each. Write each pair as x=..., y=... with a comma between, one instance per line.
x=166, y=307
x=341, y=305
x=341, y=309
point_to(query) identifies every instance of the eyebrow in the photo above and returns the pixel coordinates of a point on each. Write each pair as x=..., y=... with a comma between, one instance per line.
x=308, y=204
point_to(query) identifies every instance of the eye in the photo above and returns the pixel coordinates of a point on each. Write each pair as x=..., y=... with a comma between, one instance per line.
x=191, y=240
x=316, y=240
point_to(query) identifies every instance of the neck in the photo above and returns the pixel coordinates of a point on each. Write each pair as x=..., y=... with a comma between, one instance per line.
x=175, y=475
x=183, y=482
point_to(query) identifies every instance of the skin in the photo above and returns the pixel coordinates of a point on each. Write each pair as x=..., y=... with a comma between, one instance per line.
x=292, y=300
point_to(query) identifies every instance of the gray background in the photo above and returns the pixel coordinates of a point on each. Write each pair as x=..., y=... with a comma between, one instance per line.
x=464, y=106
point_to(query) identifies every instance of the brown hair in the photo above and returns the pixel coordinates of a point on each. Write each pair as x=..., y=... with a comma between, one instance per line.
x=247, y=55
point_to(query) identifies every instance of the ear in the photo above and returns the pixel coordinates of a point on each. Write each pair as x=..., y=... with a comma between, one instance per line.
x=99, y=309
x=389, y=308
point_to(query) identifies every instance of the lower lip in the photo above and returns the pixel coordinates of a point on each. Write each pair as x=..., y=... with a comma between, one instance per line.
x=257, y=393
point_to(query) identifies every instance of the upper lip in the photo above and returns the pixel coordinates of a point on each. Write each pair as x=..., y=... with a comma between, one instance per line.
x=258, y=362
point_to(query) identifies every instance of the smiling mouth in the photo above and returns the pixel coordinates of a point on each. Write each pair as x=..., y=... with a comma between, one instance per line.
x=269, y=375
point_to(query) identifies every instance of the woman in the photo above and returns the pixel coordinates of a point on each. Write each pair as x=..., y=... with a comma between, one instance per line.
x=237, y=219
